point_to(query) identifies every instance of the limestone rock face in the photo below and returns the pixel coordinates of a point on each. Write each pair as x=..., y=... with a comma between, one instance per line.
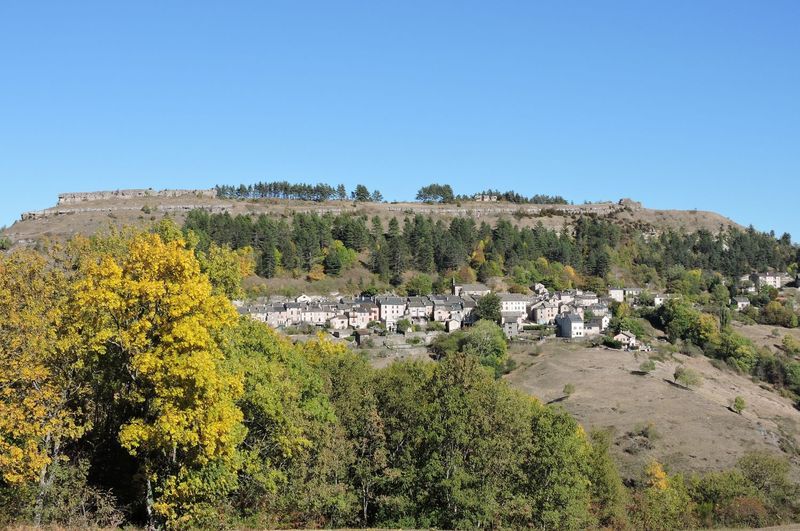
x=79, y=197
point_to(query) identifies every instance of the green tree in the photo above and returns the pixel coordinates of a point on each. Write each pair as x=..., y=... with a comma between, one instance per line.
x=486, y=341
x=419, y=285
x=361, y=193
x=488, y=308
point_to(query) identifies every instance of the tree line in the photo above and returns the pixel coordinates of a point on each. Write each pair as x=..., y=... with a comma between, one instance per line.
x=299, y=191
x=581, y=257
x=514, y=197
x=433, y=193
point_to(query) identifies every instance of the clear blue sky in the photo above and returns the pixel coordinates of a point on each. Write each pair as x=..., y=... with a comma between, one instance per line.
x=682, y=104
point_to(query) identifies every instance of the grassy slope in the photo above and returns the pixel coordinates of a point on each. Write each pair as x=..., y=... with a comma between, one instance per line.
x=694, y=429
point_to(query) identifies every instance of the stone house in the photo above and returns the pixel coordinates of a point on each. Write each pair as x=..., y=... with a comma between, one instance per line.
x=570, y=326
x=544, y=312
x=474, y=290
x=513, y=302
x=392, y=309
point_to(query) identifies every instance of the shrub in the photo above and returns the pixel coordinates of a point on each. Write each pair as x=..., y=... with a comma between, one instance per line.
x=790, y=345
x=611, y=343
x=435, y=326
x=648, y=431
x=647, y=366
x=569, y=389
x=738, y=404
x=687, y=377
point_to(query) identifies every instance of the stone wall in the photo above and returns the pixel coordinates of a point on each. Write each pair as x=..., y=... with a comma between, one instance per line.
x=40, y=214
x=80, y=197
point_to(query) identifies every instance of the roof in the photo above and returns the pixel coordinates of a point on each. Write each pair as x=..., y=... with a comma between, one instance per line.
x=392, y=300
x=513, y=297
x=572, y=318
x=473, y=287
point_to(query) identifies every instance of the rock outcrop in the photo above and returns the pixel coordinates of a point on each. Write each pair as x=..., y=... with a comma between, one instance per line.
x=72, y=198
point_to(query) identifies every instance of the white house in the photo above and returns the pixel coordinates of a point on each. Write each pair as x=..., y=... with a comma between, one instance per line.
x=776, y=280
x=570, y=325
x=513, y=302
x=419, y=308
x=586, y=299
x=741, y=303
x=617, y=294
x=391, y=310
x=627, y=339
x=316, y=315
x=293, y=312
x=339, y=322
x=358, y=317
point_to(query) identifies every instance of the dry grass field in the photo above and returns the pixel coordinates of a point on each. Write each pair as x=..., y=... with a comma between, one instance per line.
x=653, y=418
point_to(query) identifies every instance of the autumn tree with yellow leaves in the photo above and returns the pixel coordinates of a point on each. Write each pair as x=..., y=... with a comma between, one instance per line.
x=148, y=322
x=38, y=379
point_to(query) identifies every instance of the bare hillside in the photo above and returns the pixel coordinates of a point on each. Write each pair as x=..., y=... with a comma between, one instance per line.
x=651, y=417
x=87, y=213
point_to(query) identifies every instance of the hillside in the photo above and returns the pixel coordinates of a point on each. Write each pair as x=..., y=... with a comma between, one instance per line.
x=652, y=418
x=88, y=212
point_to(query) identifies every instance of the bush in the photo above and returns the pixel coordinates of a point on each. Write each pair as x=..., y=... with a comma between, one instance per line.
x=648, y=431
x=611, y=343
x=790, y=345
x=687, y=377
x=569, y=389
x=647, y=366
x=5, y=243
x=435, y=326
x=738, y=404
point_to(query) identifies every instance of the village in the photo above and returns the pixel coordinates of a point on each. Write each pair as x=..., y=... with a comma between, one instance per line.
x=571, y=314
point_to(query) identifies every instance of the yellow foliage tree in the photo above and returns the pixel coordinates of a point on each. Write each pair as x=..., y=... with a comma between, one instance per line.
x=656, y=477
x=150, y=314
x=34, y=378
x=37, y=376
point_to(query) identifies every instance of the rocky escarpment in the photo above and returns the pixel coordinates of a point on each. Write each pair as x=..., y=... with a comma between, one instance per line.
x=87, y=212
x=72, y=198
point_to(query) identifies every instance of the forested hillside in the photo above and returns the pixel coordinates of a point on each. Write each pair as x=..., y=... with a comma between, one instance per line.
x=131, y=393
x=592, y=254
